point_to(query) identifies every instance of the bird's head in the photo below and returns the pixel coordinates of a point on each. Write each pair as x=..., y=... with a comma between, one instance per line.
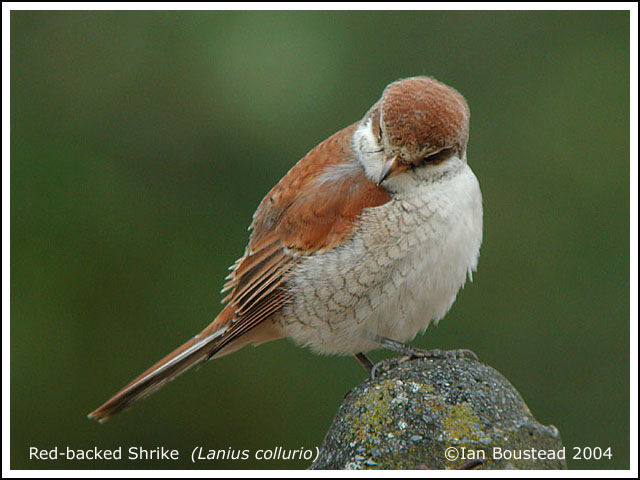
x=417, y=126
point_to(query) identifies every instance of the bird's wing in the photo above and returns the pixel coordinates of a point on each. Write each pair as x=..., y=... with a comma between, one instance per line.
x=314, y=208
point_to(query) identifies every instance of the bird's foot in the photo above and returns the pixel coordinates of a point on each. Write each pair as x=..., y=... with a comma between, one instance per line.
x=387, y=363
x=410, y=351
x=443, y=354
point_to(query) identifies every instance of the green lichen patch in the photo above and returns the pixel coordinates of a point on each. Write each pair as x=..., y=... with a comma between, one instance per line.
x=461, y=425
x=373, y=407
x=409, y=416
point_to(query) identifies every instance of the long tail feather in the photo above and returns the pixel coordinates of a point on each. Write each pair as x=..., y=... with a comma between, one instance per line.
x=200, y=348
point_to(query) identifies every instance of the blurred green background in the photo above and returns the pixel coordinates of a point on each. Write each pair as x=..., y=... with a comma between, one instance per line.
x=141, y=143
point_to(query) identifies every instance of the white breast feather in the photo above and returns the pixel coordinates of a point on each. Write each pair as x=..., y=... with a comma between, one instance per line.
x=401, y=270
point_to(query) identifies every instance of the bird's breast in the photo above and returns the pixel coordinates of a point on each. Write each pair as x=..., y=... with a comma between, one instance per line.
x=400, y=271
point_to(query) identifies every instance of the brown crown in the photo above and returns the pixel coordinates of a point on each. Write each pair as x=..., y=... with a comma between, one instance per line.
x=421, y=115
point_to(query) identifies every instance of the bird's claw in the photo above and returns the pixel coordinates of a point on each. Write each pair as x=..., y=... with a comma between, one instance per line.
x=387, y=362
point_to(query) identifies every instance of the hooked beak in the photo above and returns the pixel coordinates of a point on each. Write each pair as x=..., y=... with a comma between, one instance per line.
x=391, y=167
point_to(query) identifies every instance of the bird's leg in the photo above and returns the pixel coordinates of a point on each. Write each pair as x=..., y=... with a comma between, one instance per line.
x=409, y=352
x=364, y=361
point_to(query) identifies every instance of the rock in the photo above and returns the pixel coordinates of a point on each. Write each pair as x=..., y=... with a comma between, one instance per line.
x=438, y=414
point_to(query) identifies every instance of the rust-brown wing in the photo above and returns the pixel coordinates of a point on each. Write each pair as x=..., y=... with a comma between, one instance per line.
x=315, y=207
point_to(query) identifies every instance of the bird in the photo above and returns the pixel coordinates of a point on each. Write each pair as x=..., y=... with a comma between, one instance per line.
x=362, y=244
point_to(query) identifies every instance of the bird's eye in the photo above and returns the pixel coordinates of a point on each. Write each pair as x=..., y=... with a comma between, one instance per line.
x=379, y=134
x=438, y=157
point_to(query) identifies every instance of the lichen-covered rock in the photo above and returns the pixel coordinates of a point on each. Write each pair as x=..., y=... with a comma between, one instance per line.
x=438, y=414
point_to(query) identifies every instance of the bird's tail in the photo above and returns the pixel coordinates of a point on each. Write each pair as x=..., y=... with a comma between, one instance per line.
x=197, y=350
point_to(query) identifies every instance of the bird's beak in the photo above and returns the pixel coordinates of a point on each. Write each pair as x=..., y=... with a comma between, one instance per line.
x=391, y=167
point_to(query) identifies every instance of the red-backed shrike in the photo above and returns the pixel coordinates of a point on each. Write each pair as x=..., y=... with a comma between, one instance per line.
x=362, y=244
